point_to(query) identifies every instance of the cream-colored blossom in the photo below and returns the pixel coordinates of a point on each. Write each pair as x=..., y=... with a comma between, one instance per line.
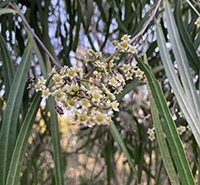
x=45, y=93
x=114, y=105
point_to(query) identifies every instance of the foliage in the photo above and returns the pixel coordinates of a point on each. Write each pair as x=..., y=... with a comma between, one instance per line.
x=151, y=137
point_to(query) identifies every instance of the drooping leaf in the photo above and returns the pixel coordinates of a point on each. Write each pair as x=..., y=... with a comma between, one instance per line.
x=163, y=148
x=187, y=43
x=184, y=102
x=119, y=140
x=7, y=135
x=181, y=59
x=170, y=130
x=21, y=143
x=55, y=134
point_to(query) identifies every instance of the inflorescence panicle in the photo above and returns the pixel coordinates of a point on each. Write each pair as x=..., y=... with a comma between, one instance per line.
x=91, y=97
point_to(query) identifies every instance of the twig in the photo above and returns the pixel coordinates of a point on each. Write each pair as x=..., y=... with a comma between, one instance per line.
x=140, y=33
x=37, y=38
x=147, y=23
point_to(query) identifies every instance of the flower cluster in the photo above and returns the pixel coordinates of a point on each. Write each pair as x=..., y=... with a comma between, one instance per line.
x=181, y=129
x=124, y=45
x=151, y=132
x=91, y=98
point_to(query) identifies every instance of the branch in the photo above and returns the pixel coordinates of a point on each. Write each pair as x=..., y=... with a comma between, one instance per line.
x=147, y=23
x=37, y=38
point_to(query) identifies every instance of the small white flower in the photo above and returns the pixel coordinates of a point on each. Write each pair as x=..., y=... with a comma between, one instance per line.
x=105, y=89
x=114, y=105
x=100, y=64
x=174, y=117
x=112, y=96
x=57, y=94
x=100, y=119
x=45, y=93
x=197, y=22
x=124, y=45
x=128, y=76
x=181, y=114
x=72, y=102
x=125, y=68
x=120, y=78
x=150, y=131
x=112, y=81
x=139, y=73
x=115, y=42
x=181, y=129
x=188, y=127
x=71, y=73
x=131, y=49
x=85, y=102
x=133, y=69
x=126, y=37
x=82, y=88
x=64, y=70
x=66, y=88
x=96, y=96
x=38, y=87
x=58, y=79
x=151, y=137
x=41, y=81
x=83, y=118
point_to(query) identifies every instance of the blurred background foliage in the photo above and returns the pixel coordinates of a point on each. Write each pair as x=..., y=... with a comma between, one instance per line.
x=68, y=28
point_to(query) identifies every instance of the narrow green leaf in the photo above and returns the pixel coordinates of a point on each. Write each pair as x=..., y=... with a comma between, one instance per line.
x=78, y=26
x=7, y=11
x=4, y=3
x=21, y=143
x=8, y=68
x=173, y=138
x=10, y=118
x=188, y=45
x=103, y=9
x=89, y=13
x=157, y=69
x=182, y=62
x=55, y=134
x=107, y=155
x=184, y=103
x=163, y=148
x=168, y=163
x=118, y=138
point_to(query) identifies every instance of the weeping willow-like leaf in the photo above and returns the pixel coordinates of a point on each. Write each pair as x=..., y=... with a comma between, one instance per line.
x=21, y=143
x=8, y=130
x=186, y=106
x=170, y=130
x=163, y=148
x=183, y=65
x=55, y=134
x=118, y=138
